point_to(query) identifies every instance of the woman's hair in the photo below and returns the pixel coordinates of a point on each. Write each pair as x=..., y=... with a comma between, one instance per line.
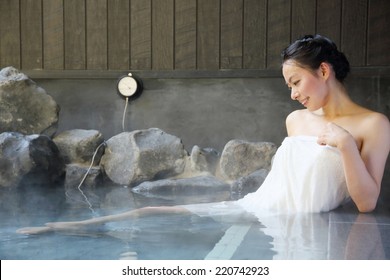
x=311, y=50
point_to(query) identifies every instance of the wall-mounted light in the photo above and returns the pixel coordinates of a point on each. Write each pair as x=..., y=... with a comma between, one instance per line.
x=130, y=86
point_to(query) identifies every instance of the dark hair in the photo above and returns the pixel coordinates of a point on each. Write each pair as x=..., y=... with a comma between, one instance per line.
x=311, y=50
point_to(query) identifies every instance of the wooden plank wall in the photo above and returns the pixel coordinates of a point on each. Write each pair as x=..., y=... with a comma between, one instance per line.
x=184, y=34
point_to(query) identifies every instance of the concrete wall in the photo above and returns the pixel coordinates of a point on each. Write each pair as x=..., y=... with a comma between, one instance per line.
x=207, y=112
x=204, y=112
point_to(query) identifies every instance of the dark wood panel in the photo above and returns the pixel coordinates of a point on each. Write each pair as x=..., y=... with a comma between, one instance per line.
x=208, y=36
x=255, y=34
x=9, y=33
x=141, y=34
x=329, y=20
x=378, y=49
x=231, y=34
x=353, y=31
x=96, y=34
x=162, y=34
x=74, y=32
x=303, y=18
x=53, y=34
x=279, y=29
x=118, y=34
x=31, y=33
x=185, y=34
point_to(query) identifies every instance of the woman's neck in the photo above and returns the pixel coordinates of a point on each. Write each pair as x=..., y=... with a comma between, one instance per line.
x=338, y=103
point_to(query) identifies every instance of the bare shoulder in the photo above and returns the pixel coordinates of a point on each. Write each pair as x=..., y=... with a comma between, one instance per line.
x=293, y=119
x=376, y=127
x=295, y=115
x=375, y=121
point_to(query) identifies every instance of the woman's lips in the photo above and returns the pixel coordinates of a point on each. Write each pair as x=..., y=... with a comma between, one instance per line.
x=304, y=101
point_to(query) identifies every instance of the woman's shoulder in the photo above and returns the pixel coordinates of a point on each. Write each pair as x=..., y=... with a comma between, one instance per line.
x=377, y=118
x=372, y=127
x=373, y=120
x=297, y=114
x=377, y=124
x=294, y=119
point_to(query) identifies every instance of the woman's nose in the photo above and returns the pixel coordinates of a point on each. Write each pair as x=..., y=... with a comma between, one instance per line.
x=294, y=94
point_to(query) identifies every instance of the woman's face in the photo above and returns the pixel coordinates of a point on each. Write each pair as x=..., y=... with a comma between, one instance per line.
x=307, y=87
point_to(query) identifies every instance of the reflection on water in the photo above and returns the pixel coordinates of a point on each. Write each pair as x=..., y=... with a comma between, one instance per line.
x=360, y=239
x=334, y=235
x=364, y=231
x=299, y=236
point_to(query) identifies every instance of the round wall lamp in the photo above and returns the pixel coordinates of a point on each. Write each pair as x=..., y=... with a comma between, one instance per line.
x=130, y=86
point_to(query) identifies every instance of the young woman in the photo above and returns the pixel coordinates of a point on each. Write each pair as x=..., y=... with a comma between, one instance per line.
x=314, y=70
x=335, y=151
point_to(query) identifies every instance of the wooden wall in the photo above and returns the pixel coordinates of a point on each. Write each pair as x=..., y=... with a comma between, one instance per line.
x=184, y=34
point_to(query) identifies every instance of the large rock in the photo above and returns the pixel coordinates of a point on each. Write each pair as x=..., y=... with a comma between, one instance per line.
x=240, y=158
x=24, y=106
x=80, y=145
x=32, y=159
x=133, y=157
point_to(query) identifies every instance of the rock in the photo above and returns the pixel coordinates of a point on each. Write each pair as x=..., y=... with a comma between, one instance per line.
x=80, y=192
x=80, y=145
x=75, y=174
x=249, y=183
x=25, y=107
x=240, y=158
x=131, y=158
x=203, y=160
x=32, y=159
x=199, y=189
x=188, y=185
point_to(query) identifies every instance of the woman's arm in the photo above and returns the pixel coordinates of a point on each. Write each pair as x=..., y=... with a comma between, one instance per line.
x=363, y=169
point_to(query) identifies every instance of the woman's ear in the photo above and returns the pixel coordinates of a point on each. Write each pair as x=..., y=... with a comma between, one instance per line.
x=325, y=70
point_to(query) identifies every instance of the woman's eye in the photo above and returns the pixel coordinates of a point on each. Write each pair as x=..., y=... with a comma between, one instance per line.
x=296, y=83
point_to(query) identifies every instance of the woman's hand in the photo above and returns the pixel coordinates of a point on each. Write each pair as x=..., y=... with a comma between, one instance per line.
x=335, y=136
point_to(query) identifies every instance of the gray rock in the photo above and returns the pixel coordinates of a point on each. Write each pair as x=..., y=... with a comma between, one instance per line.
x=249, y=183
x=203, y=160
x=32, y=159
x=199, y=189
x=24, y=106
x=188, y=185
x=80, y=183
x=240, y=158
x=80, y=145
x=75, y=174
x=133, y=157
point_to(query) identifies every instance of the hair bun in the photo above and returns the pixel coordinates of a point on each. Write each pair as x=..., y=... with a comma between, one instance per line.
x=311, y=50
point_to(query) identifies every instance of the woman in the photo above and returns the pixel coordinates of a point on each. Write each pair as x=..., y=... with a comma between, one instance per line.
x=314, y=70
x=335, y=150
